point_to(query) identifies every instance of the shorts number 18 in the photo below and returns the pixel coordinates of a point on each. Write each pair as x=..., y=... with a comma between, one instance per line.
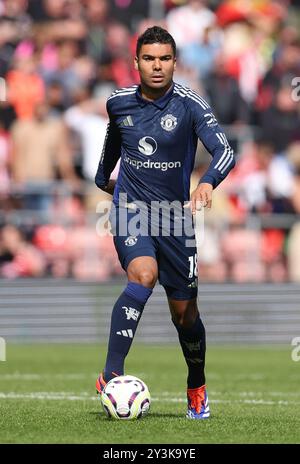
x=193, y=266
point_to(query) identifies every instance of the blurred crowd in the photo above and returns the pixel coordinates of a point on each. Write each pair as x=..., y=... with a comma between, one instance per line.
x=61, y=59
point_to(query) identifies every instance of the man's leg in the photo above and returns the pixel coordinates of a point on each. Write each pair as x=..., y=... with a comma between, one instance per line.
x=191, y=333
x=127, y=311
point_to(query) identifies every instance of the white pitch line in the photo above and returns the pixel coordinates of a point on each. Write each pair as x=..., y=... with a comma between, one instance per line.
x=143, y=375
x=75, y=376
x=42, y=396
x=18, y=376
x=242, y=394
x=63, y=396
x=169, y=394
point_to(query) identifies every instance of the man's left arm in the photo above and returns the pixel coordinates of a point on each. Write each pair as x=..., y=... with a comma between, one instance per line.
x=215, y=141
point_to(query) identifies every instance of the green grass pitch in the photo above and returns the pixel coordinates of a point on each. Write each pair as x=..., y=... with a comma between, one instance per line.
x=47, y=395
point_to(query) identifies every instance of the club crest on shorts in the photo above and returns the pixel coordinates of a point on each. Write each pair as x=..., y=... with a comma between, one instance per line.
x=168, y=122
x=131, y=240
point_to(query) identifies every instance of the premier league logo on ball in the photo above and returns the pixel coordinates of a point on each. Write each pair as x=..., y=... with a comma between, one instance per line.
x=168, y=122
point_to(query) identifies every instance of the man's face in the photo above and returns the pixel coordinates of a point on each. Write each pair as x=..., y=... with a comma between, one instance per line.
x=156, y=64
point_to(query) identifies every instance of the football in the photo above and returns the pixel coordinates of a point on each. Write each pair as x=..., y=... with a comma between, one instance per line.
x=126, y=397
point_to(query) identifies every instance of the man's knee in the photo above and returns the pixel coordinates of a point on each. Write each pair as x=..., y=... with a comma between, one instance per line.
x=184, y=315
x=184, y=321
x=143, y=271
x=146, y=278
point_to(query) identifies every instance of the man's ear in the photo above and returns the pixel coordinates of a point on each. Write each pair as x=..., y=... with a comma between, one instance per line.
x=136, y=63
x=175, y=62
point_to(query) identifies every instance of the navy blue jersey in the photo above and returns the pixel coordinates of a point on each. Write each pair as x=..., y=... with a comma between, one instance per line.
x=157, y=142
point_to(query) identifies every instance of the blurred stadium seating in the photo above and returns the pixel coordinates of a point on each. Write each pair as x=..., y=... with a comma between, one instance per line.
x=68, y=311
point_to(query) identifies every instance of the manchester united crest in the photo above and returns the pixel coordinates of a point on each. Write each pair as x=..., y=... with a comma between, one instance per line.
x=131, y=240
x=168, y=122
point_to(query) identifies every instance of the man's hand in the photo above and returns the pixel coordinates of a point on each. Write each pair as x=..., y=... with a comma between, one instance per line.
x=201, y=197
x=110, y=187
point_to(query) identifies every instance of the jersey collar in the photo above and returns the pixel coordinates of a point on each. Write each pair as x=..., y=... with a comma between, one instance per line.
x=160, y=102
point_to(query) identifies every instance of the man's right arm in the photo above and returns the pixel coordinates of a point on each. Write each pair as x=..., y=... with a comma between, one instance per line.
x=109, y=157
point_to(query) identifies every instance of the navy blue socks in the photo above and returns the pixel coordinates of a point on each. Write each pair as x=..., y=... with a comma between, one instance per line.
x=125, y=317
x=193, y=346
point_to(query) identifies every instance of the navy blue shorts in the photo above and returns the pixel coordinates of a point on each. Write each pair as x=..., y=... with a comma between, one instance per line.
x=176, y=258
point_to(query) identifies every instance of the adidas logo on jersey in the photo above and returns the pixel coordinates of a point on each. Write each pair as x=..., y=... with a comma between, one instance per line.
x=127, y=122
x=126, y=333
